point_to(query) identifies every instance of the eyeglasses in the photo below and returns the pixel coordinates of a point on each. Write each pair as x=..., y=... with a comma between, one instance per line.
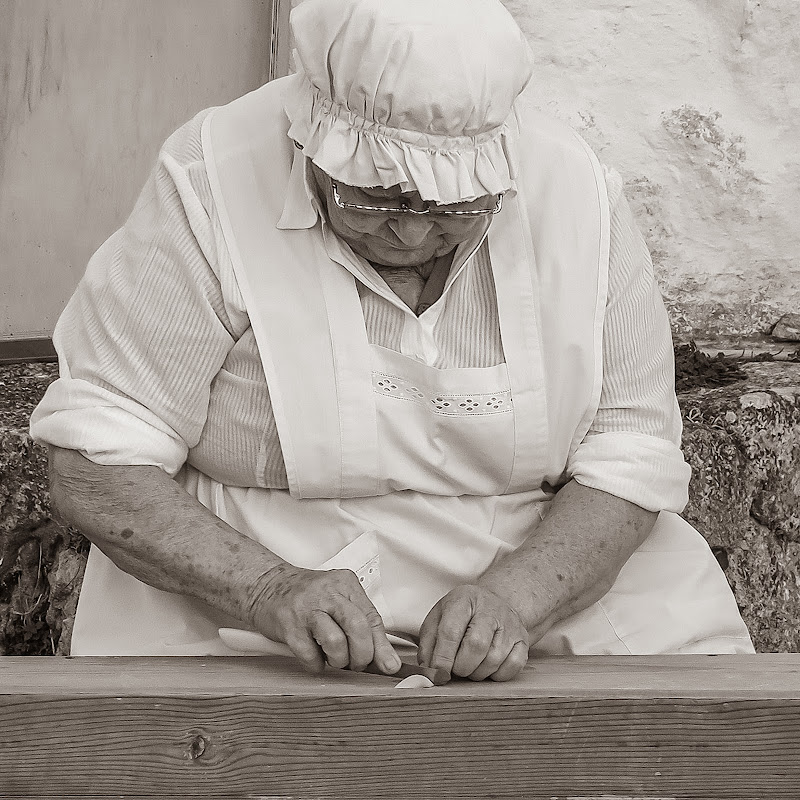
x=404, y=208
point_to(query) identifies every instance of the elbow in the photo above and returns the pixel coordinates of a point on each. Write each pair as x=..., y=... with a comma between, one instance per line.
x=73, y=486
x=644, y=525
x=58, y=479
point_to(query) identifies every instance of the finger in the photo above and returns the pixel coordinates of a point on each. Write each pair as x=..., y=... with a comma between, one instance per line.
x=307, y=651
x=384, y=654
x=482, y=634
x=501, y=647
x=427, y=635
x=353, y=623
x=514, y=663
x=331, y=638
x=456, y=616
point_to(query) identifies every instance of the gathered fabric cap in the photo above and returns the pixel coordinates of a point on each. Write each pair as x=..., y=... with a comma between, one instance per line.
x=415, y=93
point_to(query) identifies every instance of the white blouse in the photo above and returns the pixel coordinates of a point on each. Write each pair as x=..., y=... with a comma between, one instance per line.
x=159, y=364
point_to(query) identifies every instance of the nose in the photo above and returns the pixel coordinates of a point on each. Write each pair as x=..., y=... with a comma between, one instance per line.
x=410, y=229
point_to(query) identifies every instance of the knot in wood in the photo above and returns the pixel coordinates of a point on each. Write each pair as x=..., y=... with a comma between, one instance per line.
x=197, y=747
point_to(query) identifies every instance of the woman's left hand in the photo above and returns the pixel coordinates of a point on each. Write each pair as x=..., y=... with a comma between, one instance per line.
x=474, y=633
x=569, y=561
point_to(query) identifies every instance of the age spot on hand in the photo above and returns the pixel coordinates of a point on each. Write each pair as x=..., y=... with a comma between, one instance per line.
x=126, y=533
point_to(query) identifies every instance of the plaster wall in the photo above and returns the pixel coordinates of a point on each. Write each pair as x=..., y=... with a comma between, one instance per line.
x=88, y=91
x=697, y=104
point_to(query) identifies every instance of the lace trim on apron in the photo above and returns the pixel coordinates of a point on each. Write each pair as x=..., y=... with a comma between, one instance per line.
x=451, y=405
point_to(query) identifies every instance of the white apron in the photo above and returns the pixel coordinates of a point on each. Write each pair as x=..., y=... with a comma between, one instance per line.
x=417, y=478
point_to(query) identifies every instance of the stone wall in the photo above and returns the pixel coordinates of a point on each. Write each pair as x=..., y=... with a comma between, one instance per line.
x=697, y=104
x=742, y=440
x=41, y=562
x=743, y=443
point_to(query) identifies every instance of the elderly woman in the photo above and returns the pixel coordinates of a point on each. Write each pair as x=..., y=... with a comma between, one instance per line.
x=379, y=358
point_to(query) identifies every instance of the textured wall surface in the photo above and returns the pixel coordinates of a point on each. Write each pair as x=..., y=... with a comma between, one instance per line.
x=88, y=91
x=743, y=443
x=697, y=104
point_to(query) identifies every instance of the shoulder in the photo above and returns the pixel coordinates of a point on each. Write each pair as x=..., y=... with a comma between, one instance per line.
x=184, y=147
x=262, y=109
x=178, y=205
x=615, y=189
x=538, y=130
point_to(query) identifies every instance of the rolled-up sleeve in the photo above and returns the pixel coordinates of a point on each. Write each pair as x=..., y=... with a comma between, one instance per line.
x=632, y=449
x=146, y=330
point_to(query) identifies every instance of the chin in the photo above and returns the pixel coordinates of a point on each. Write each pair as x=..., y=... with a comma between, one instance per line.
x=410, y=259
x=391, y=257
x=394, y=257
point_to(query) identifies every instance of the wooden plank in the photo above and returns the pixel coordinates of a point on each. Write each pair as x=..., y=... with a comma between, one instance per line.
x=765, y=676
x=19, y=350
x=637, y=727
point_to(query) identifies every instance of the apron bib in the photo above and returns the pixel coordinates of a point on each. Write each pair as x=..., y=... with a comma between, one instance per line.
x=416, y=478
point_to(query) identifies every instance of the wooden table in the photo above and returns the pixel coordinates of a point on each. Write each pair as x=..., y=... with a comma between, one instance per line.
x=648, y=728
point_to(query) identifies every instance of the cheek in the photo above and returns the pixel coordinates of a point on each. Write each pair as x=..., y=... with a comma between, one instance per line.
x=352, y=225
x=457, y=232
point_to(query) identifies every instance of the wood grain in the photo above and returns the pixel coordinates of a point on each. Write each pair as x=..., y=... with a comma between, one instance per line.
x=634, y=728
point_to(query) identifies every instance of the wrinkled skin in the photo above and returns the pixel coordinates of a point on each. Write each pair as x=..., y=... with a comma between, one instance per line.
x=399, y=240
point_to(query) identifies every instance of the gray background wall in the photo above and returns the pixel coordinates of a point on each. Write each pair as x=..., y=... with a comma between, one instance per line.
x=88, y=91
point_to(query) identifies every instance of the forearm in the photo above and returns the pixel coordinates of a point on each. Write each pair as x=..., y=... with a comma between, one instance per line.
x=572, y=558
x=151, y=528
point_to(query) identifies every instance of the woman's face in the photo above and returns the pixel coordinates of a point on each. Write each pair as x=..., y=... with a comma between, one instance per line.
x=397, y=239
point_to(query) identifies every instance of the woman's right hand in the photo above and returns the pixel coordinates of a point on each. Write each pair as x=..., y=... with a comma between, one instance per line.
x=322, y=616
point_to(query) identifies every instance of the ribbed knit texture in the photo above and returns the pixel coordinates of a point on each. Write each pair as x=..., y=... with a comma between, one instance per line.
x=157, y=330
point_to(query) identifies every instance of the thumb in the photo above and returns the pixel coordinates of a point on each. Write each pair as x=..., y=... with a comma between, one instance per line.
x=427, y=635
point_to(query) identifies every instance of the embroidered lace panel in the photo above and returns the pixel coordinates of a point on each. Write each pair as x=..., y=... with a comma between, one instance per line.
x=452, y=405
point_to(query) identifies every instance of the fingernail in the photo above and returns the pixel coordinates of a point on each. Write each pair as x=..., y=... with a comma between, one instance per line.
x=392, y=663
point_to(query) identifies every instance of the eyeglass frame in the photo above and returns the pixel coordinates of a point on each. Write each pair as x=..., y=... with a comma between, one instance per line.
x=406, y=209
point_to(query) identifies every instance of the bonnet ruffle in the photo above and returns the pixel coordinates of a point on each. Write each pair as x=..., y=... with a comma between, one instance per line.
x=415, y=93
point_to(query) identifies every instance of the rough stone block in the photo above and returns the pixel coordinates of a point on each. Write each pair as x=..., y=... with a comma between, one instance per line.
x=743, y=442
x=787, y=328
x=41, y=562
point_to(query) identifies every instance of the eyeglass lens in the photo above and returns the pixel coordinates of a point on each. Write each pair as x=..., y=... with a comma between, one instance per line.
x=376, y=205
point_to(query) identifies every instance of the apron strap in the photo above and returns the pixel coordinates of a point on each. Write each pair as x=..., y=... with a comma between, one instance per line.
x=552, y=238
x=514, y=270
x=319, y=383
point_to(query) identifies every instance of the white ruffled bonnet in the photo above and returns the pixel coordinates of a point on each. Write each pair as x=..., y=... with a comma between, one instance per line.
x=410, y=92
